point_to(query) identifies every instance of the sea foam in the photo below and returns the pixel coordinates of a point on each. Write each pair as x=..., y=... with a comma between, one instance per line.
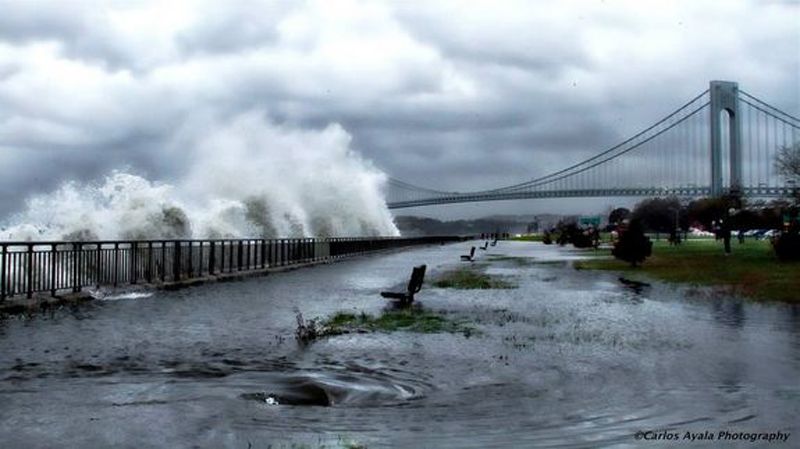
x=243, y=177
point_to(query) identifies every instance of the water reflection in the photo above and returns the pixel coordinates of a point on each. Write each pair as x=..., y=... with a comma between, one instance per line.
x=729, y=313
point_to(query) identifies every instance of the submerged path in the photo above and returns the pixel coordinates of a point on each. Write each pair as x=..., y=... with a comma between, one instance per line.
x=568, y=359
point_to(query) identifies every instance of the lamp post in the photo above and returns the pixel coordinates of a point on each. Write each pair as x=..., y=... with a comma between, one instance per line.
x=726, y=228
x=675, y=237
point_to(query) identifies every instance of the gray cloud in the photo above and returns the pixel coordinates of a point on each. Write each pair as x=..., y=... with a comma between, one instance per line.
x=451, y=95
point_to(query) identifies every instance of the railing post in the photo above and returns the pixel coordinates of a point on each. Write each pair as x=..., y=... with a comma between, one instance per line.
x=176, y=261
x=239, y=256
x=200, y=259
x=163, y=261
x=116, y=263
x=272, y=254
x=190, y=267
x=3, y=262
x=134, y=245
x=211, y=258
x=150, y=262
x=98, y=265
x=29, y=274
x=263, y=254
x=230, y=256
x=76, y=280
x=53, y=269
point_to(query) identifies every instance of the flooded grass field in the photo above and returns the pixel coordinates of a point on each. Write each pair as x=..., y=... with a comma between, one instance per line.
x=562, y=358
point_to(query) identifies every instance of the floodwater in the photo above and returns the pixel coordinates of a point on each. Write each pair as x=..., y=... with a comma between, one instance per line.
x=569, y=359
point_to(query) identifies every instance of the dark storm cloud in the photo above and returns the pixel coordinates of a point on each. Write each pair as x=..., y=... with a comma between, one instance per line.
x=477, y=39
x=450, y=95
x=26, y=21
x=231, y=27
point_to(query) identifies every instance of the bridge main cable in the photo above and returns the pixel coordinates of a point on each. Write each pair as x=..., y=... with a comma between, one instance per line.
x=555, y=175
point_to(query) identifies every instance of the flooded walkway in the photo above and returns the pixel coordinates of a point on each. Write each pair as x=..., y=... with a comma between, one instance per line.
x=568, y=359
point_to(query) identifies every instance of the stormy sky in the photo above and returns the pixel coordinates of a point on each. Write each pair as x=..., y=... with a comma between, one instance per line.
x=455, y=95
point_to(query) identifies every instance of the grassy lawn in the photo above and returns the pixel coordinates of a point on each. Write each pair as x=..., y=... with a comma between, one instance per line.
x=410, y=320
x=751, y=270
x=468, y=278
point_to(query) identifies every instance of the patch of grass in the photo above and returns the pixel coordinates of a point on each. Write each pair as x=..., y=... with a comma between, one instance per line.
x=751, y=270
x=466, y=278
x=408, y=320
x=516, y=260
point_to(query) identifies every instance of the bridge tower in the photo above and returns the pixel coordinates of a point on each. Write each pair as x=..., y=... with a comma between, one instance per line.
x=725, y=99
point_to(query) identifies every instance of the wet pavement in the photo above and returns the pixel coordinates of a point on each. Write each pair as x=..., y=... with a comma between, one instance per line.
x=568, y=359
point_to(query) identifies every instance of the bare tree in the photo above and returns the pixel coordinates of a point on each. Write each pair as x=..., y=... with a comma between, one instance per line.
x=787, y=163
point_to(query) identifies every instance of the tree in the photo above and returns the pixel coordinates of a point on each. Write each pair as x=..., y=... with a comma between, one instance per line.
x=570, y=232
x=707, y=210
x=633, y=246
x=658, y=214
x=787, y=163
x=617, y=215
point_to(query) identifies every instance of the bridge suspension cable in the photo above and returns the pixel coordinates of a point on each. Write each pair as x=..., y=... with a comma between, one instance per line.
x=669, y=157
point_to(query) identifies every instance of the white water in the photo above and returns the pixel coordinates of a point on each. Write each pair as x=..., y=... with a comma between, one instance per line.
x=244, y=177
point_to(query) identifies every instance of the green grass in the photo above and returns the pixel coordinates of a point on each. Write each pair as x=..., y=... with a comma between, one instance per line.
x=751, y=270
x=409, y=320
x=468, y=278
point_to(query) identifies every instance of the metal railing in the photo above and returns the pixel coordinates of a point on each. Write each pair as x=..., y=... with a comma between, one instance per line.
x=33, y=267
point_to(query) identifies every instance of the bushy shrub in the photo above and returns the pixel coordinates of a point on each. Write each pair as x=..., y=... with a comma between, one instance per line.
x=582, y=239
x=572, y=233
x=787, y=246
x=633, y=246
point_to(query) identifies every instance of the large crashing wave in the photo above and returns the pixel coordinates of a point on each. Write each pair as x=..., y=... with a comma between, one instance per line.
x=243, y=178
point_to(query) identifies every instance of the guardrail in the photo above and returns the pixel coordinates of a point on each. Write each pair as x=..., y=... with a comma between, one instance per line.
x=33, y=267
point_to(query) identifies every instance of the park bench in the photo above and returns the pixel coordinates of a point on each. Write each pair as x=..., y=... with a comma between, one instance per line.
x=468, y=257
x=485, y=245
x=414, y=286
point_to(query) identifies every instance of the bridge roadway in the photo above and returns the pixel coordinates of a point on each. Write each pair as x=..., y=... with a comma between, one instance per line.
x=681, y=192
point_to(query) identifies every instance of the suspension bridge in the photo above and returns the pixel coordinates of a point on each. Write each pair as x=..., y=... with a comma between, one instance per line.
x=721, y=141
